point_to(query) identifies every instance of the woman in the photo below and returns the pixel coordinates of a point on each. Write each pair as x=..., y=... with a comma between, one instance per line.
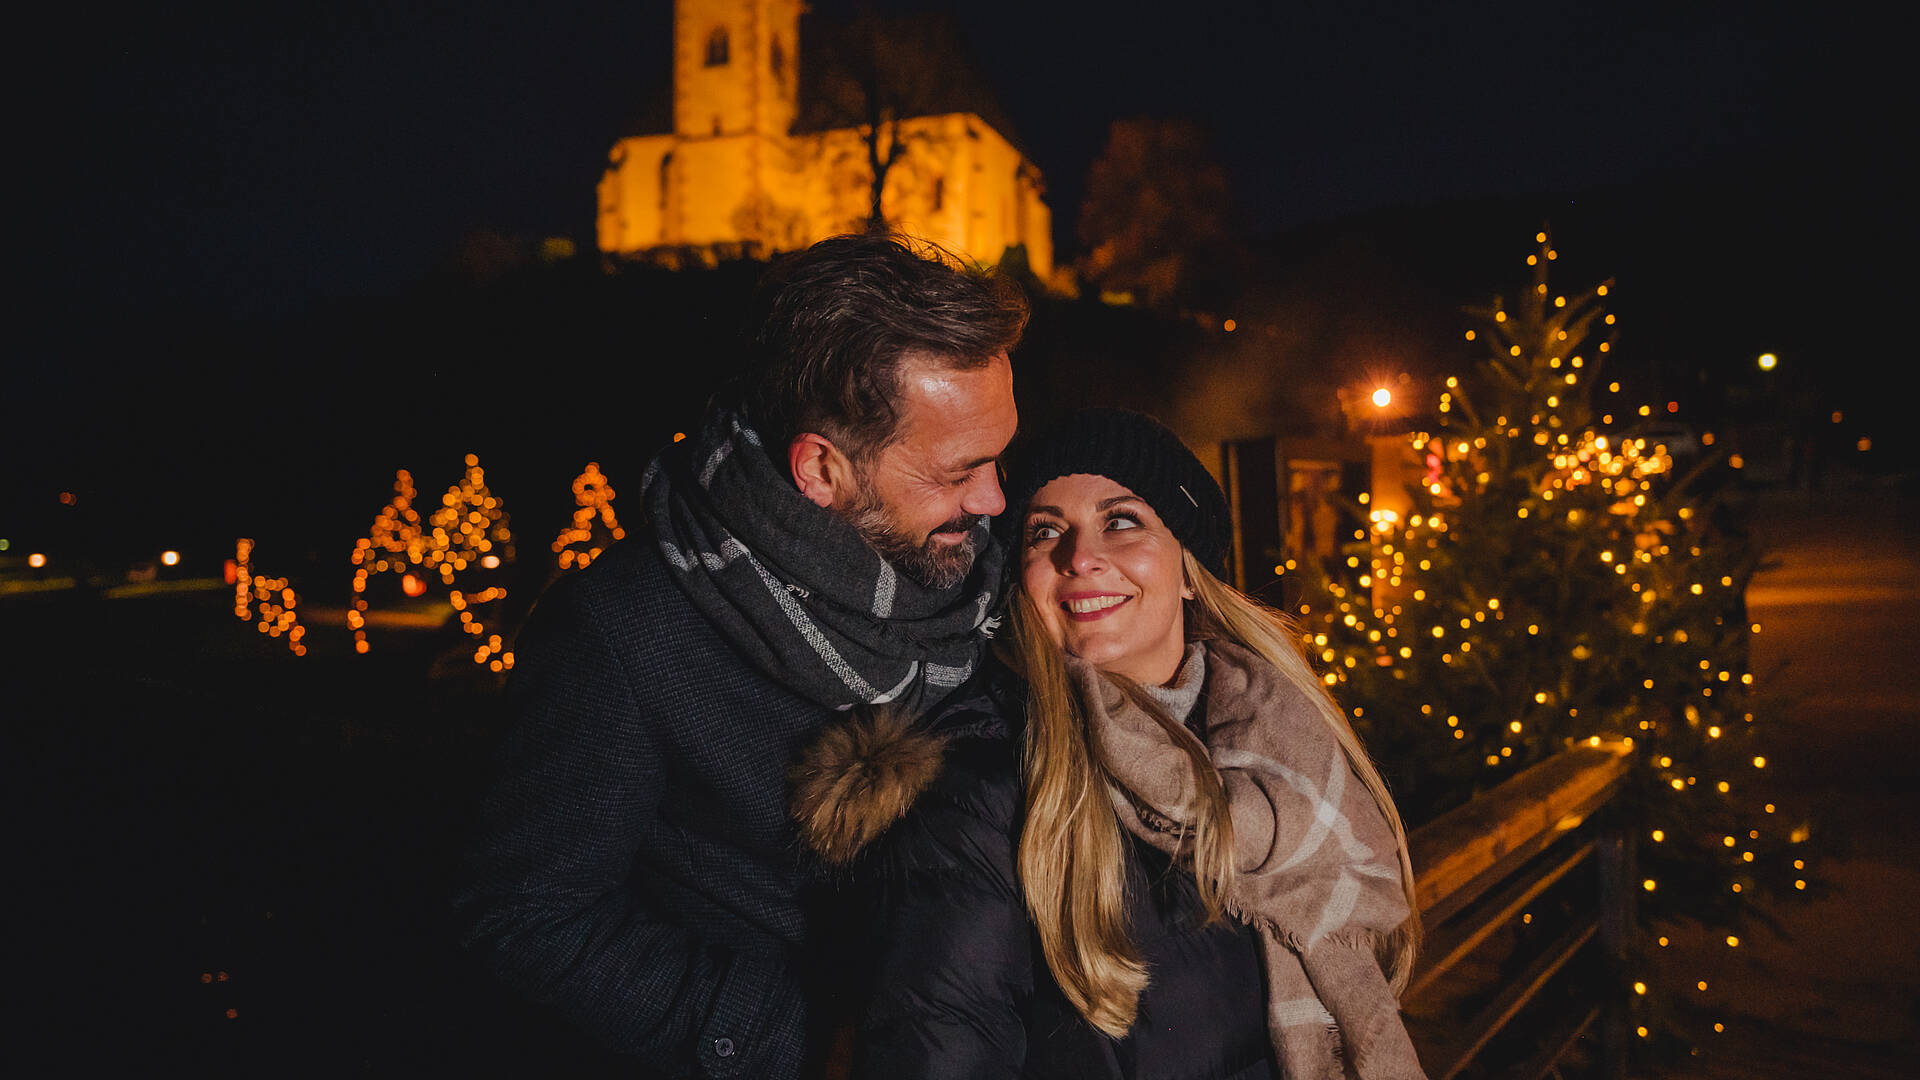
x=1052, y=905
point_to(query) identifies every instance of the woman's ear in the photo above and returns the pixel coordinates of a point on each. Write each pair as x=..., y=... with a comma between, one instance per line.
x=820, y=470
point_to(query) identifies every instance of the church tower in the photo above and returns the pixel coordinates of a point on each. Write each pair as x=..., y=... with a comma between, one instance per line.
x=735, y=67
x=734, y=179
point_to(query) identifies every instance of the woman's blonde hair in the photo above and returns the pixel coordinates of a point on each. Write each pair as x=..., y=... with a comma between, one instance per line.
x=1072, y=852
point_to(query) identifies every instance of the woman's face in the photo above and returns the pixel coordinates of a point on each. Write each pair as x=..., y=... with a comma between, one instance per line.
x=1106, y=575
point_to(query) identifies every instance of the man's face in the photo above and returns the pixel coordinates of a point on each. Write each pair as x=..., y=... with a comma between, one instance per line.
x=918, y=499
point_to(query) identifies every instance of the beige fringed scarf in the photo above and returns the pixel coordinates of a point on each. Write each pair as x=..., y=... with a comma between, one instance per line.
x=1319, y=877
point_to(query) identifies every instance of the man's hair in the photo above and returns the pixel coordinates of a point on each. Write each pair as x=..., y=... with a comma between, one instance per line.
x=834, y=323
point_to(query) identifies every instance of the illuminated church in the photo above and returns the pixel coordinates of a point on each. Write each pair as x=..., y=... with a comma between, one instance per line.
x=764, y=157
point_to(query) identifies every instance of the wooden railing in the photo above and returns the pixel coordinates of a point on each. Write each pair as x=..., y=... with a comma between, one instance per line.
x=1480, y=867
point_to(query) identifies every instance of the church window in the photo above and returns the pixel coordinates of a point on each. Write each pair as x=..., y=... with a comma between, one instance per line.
x=666, y=178
x=778, y=58
x=939, y=192
x=717, y=49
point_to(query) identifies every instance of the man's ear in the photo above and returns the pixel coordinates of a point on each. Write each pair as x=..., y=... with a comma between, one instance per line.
x=820, y=470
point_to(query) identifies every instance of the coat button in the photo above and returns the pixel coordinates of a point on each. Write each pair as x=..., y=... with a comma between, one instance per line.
x=723, y=1047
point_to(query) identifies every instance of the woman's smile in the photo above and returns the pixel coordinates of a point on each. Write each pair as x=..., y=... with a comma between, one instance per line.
x=1089, y=608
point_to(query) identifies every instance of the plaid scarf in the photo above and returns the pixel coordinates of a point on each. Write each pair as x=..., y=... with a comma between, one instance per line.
x=796, y=589
x=1319, y=874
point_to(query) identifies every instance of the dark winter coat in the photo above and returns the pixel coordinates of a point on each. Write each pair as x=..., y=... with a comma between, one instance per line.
x=960, y=987
x=636, y=867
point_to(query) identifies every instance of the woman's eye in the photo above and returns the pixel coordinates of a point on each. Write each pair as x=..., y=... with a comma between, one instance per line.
x=1122, y=521
x=1042, y=531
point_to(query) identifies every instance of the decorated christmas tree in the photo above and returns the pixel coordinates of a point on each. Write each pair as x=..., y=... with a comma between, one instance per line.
x=469, y=529
x=267, y=602
x=594, y=524
x=1546, y=577
x=469, y=543
x=394, y=546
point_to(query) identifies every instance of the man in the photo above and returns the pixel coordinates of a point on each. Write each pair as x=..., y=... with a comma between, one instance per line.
x=821, y=543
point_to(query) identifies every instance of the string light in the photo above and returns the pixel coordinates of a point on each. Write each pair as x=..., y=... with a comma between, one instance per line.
x=394, y=545
x=270, y=603
x=1626, y=602
x=470, y=524
x=594, y=523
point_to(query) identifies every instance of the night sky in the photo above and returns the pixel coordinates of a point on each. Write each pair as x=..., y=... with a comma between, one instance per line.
x=194, y=166
x=251, y=159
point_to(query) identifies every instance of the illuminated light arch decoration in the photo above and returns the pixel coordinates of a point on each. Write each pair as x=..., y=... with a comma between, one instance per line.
x=594, y=524
x=395, y=545
x=468, y=542
x=268, y=602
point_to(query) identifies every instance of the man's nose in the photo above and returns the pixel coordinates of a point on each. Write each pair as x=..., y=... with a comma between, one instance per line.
x=984, y=495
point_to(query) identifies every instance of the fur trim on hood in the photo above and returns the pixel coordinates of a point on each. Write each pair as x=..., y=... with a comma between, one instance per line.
x=859, y=778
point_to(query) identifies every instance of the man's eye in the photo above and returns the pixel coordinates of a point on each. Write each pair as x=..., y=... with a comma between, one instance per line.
x=965, y=478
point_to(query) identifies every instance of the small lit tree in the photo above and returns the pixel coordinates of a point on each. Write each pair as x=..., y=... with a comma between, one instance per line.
x=394, y=545
x=594, y=524
x=469, y=544
x=267, y=602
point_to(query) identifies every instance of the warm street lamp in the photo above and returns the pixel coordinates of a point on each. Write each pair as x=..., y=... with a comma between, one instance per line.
x=1383, y=397
x=1768, y=361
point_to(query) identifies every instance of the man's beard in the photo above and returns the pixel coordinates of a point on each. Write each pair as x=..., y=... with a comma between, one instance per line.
x=935, y=564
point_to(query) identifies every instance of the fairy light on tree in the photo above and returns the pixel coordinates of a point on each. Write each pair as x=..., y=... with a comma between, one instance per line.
x=394, y=545
x=468, y=543
x=594, y=525
x=1550, y=579
x=268, y=602
x=469, y=529
x=463, y=547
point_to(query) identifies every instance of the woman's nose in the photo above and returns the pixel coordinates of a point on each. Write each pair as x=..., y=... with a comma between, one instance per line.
x=1083, y=553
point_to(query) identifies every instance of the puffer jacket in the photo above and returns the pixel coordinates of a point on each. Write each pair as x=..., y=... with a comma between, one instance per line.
x=928, y=821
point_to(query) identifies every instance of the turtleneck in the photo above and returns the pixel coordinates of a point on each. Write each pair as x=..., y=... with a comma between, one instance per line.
x=1179, y=696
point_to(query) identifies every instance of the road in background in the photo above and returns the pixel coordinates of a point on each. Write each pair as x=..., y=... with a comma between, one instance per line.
x=1838, y=658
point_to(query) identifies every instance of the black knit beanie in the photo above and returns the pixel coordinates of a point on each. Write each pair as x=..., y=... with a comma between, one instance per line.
x=1139, y=453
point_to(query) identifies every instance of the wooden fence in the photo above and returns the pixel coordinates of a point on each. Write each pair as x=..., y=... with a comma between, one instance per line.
x=1480, y=869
